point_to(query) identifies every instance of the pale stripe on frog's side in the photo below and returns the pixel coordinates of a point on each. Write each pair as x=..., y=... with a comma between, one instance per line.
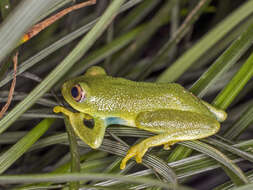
x=118, y=121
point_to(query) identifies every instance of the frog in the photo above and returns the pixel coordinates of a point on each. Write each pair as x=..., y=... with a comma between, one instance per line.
x=168, y=110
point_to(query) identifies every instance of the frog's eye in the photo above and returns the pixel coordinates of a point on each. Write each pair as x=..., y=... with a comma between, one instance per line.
x=77, y=93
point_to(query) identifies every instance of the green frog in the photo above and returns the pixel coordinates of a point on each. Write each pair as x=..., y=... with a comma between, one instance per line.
x=166, y=109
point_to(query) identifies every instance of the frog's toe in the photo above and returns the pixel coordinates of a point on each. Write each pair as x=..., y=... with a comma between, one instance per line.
x=136, y=151
x=132, y=152
x=167, y=146
x=125, y=160
x=138, y=158
x=58, y=109
x=123, y=164
x=140, y=154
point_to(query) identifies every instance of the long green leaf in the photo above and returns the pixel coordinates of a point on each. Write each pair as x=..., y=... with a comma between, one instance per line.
x=82, y=47
x=17, y=150
x=203, y=45
x=59, y=178
x=217, y=155
x=229, y=93
x=163, y=53
x=98, y=55
x=223, y=63
x=19, y=21
x=245, y=187
x=240, y=125
x=64, y=41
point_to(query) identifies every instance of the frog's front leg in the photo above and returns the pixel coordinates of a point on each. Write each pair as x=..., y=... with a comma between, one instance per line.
x=171, y=126
x=91, y=135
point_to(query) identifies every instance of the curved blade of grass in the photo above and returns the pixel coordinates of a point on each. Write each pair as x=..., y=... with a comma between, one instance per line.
x=5, y=67
x=178, y=153
x=60, y=178
x=101, y=53
x=126, y=131
x=142, y=38
x=220, y=46
x=146, y=134
x=12, y=137
x=201, y=47
x=217, y=155
x=222, y=64
x=228, y=94
x=17, y=150
x=60, y=43
x=163, y=53
x=159, y=165
x=19, y=21
x=229, y=185
x=82, y=47
x=245, y=187
x=136, y=15
x=199, y=163
x=232, y=149
x=65, y=168
x=117, y=149
x=240, y=125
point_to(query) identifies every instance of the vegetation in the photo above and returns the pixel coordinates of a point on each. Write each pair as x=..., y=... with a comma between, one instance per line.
x=204, y=45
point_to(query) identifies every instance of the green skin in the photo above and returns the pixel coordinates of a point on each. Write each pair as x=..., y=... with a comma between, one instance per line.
x=168, y=110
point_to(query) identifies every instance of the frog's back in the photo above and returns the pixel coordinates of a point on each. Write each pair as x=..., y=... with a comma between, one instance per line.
x=118, y=95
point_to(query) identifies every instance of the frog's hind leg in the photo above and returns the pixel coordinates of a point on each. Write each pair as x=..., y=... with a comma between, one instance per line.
x=171, y=126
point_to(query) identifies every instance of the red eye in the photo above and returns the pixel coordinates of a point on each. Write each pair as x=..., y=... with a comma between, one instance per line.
x=77, y=93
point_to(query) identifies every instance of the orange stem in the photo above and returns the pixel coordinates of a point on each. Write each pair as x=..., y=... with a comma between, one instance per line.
x=47, y=22
x=13, y=84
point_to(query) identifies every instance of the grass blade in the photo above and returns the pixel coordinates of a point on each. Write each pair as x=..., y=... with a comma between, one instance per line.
x=201, y=47
x=19, y=21
x=59, y=178
x=228, y=94
x=217, y=155
x=223, y=63
x=240, y=125
x=82, y=47
x=17, y=150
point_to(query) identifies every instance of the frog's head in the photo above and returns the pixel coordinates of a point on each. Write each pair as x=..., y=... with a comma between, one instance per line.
x=77, y=92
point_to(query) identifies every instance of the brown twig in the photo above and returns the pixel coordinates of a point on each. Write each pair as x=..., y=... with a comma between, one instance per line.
x=13, y=84
x=45, y=23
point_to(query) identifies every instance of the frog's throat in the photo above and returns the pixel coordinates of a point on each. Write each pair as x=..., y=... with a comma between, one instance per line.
x=58, y=109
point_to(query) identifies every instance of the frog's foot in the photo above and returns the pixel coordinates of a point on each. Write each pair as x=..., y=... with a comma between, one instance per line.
x=168, y=145
x=136, y=151
x=58, y=109
x=92, y=135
